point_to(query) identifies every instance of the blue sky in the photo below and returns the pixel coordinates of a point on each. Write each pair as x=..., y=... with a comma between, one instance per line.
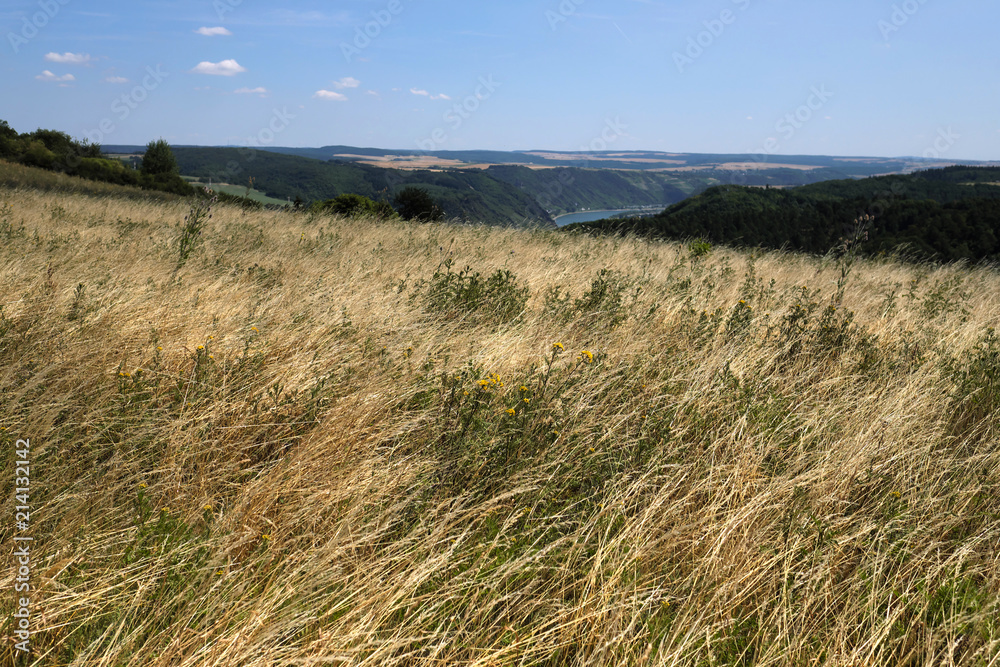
x=834, y=77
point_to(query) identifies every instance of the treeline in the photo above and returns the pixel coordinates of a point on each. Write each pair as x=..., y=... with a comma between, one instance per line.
x=944, y=215
x=57, y=151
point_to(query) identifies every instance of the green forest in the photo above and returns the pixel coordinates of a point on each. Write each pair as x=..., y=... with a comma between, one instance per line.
x=941, y=214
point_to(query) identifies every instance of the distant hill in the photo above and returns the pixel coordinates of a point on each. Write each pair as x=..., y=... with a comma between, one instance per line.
x=463, y=194
x=566, y=189
x=944, y=214
x=514, y=187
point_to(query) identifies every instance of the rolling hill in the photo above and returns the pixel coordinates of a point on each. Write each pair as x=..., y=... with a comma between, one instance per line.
x=945, y=214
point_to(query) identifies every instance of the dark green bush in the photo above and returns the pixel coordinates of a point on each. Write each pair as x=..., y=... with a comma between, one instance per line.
x=416, y=204
x=606, y=298
x=498, y=298
x=976, y=397
x=350, y=206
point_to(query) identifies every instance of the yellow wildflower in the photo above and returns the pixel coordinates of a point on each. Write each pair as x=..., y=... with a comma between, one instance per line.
x=558, y=346
x=511, y=411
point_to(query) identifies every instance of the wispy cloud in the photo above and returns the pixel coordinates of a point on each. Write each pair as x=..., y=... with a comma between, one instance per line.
x=116, y=79
x=308, y=19
x=68, y=58
x=330, y=95
x=224, y=68
x=46, y=75
x=346, y=82
x=213, y=32
x=259, y=90
x=424, y=93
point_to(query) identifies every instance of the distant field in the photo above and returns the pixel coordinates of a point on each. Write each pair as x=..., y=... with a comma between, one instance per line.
x=241, y=191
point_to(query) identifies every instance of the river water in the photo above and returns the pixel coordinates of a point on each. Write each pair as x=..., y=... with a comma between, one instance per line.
x=590, y=216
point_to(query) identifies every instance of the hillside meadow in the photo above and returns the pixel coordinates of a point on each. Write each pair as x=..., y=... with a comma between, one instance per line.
x=321, y=441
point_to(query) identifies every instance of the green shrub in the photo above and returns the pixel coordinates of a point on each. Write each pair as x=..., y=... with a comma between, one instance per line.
x=606, y=298
x=498, y=298
x=416, y=204
x=976, y=373
x=699, y=248
x=350, y=206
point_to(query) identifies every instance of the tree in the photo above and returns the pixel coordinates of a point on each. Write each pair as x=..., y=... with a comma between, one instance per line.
x=6, y=131
x=159, y=159
x=416, y=204
x=351, y=205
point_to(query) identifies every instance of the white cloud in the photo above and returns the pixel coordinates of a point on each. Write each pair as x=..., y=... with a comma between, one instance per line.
x=46, y=75
x=259, y=90
x=213, y=32
x=116, y=79
x=346, y=82
x=224, y=68
x=372, y=93
x=68, y=58
x=330, y=95
x=424, y=93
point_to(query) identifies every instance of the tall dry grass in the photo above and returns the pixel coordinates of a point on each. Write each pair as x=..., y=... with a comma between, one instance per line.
x=308, y=445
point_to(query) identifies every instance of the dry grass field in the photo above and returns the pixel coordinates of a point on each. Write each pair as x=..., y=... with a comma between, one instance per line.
x=321, y=441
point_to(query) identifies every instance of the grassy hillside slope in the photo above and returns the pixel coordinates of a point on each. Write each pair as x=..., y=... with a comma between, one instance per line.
x=321, y=441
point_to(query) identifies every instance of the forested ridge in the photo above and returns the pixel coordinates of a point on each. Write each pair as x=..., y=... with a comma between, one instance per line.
x=942, y=214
